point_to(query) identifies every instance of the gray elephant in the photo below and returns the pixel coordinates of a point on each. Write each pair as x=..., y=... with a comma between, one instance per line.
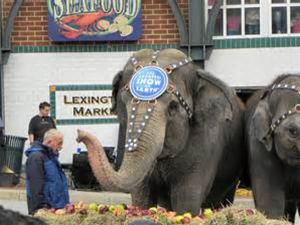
x=182, y=134
x=273, y=135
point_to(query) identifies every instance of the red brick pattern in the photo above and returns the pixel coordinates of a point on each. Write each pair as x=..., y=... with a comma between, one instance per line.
x=30, y=28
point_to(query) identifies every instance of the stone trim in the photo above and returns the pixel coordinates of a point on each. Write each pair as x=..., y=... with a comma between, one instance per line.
x=266, y=42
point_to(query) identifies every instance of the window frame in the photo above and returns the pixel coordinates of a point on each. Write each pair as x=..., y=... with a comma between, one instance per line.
x=265, y=14
x=288, y=6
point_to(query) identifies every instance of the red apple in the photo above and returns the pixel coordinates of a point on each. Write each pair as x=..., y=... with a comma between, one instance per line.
x=186, y=220
x=70, y=208
x=52, y=210
x=83, y=211
x=103, y=209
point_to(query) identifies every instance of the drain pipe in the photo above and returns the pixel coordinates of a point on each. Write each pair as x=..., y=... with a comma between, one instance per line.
x=197, y=40
x=5, y=45
x=1, y=67
x=196, y=47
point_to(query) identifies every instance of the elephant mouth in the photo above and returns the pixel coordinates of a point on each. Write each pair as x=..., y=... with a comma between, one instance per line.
x=294, y=162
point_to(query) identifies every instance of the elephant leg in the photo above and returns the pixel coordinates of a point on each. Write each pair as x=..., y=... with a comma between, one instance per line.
x=163, y=197
x=187, y=194
x=165, y=202
x=268, y=190
x=290, y=210
x=160, y=190
x=143, y=197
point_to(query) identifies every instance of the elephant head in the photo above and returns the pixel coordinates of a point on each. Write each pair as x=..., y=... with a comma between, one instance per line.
x=276, y=121
x=156, y=98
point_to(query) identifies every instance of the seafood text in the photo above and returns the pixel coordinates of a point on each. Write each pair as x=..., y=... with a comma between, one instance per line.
x=128, y=8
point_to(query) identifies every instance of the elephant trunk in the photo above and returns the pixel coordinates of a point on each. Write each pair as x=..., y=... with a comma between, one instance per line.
x=136, y=164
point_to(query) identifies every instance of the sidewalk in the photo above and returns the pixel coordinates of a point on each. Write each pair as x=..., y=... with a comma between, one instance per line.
x=110, y=198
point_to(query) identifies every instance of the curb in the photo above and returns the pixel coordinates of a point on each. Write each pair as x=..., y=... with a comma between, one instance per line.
x=111, y=198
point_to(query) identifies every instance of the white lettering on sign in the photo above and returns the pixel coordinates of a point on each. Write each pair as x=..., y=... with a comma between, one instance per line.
x=70, y=7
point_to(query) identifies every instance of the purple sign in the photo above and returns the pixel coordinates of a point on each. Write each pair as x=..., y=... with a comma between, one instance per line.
x=94, y=20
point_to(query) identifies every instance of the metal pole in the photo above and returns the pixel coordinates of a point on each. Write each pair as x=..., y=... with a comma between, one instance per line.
x=1, y=66
x=197, y=31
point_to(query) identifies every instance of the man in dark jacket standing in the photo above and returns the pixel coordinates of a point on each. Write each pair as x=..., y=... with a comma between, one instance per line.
x=46, y=183
x=40, y=123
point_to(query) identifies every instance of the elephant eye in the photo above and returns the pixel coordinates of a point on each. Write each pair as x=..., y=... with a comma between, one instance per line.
x=293, y=132
x=173, y=107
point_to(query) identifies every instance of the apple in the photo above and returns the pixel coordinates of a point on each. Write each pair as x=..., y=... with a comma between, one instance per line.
x=250, y=212
x=208, y=213
x=185, y=220
x=178, y=219
x=118, y=212
x=83, y=211
x=52, y=210
x=125, y=206
x=70, y=208
x=153, y=209
x=60, y=212
x=93, y=206
x=102, y=209
x=161, y=210
x=79, y=205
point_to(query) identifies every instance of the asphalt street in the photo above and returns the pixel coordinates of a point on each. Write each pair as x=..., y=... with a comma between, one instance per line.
x=18, y=206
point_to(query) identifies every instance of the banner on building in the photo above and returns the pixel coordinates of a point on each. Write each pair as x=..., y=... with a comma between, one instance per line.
x=94, y=20
x=81, y=104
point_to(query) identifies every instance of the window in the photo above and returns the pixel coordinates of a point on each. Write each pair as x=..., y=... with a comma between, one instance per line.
x=257, y=18
x=285, y=16
x=237, y=17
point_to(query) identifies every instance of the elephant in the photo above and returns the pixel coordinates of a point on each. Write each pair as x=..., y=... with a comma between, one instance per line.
x=273, y=140
x=182, y=137
x=11, y=217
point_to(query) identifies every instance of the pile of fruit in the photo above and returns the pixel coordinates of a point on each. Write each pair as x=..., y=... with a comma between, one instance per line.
x=92, y=214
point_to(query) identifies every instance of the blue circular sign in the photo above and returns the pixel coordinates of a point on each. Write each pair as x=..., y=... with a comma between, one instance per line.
x=149, y=83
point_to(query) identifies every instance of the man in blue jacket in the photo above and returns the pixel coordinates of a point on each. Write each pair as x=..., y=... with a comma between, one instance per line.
x=46, y=183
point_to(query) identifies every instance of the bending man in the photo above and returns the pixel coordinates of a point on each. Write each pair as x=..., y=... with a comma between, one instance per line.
x=46, y=183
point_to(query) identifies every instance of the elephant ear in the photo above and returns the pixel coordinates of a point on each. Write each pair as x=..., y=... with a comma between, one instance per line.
x=115, y=89
x=206, y=79
x=260, y=125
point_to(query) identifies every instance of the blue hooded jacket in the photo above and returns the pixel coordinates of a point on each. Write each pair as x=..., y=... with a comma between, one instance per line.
x=46, y=183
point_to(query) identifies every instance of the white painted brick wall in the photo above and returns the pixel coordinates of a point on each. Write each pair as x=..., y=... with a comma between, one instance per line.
x=253, y=67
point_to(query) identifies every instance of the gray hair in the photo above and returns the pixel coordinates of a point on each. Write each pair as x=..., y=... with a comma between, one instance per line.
x=51, y=134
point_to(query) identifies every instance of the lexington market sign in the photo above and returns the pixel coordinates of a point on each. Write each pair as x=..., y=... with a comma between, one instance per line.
x=81, y=104
x=94, y=20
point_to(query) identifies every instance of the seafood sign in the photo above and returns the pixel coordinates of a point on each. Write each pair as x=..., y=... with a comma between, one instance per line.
x=94, y=20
